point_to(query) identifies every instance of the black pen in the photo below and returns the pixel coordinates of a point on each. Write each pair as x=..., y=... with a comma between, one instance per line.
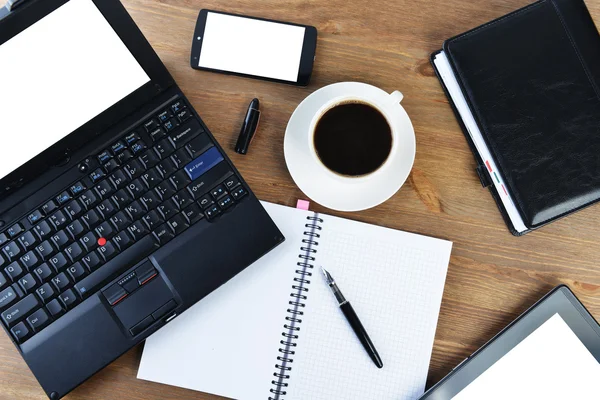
x=352, y=318
x=248, y=128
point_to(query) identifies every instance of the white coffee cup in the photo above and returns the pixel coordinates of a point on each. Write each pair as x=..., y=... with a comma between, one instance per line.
x=343, y=192
x=387, y=106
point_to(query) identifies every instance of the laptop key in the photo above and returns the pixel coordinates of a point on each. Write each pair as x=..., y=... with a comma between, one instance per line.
x=38, y=320
x=75, y=229
x=49, y=207
x=3, y=238
x=107, y=251
x=77, y=188
x=167, y=210
x=90, y=219
x=121, y=198
x=43, y=272
x=7, y=297
x=178, y=224
x=35, y=216
x=177, y=106
x=118, y=147
x=28, y=240
x=193, y=213
x=163, y=234
x=105, y=230
x=134, y=168
x=13, y=271
x=89, y=241
x=182, y=199
x=185, y=133
x=137, y=230
x=3, y=280
x=132, y=138
x=218, y=191
x=29, y=260
x=166, y=168
x=45, y=292
x=206, y=201
x=43, y=230
x=91, y=261
x=164, y=116
x=199, y=145
x=106, y=209
x=74, y=251
x=18, y=311
x=104, y=189
x=104, y=156
x=212, y=212
x=110, y=166
x=89, y=199
x=157, y=133
x=225, y=202
x=179, y=180
x=68, y=298
x=74, y=209
x=122, y=240
x=231, y=182
x=149, y=159
x=135, y=210
x=138, y=147
x=181, y=158
x=76, y=271
x=164, y=190
x=120, y=221
x=184, y=115
x=59, y=219
x=97, y=175
x=63, y=198
x=60, y=239
x=20, y=332
x=61, y=281
x=44, y=250
x=55, y=308
x=136, y=188
x=11, y=250
x=27, y=283
x=58, y=261
x=125, y=156
x=152, y=219
x=119, y=179
x=15, y=230
x=150, y=200
x=239, y=193
x=150, y=125
x=164, y=148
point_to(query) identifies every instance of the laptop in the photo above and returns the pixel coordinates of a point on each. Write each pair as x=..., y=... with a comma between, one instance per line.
x=118, y=208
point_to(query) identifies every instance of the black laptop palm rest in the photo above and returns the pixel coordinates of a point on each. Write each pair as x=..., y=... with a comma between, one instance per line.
x=155, y=182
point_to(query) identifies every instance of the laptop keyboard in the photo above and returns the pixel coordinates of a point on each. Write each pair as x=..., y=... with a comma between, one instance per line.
x=153, y=184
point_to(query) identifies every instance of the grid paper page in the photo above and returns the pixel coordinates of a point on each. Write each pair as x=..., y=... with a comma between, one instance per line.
x=227, y=343
x=395, y=281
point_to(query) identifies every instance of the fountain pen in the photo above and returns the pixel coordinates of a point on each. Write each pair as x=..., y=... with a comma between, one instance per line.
x=352, y=318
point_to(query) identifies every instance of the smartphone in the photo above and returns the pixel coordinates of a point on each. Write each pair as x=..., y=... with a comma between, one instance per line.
x=254, y=47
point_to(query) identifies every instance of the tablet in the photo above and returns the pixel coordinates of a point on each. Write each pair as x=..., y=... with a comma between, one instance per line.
x=552, y=351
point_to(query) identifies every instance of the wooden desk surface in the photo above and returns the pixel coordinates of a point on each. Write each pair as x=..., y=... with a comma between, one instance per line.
x=492, y=277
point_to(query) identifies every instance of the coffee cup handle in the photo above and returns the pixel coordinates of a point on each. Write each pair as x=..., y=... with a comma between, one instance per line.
x=396, y=96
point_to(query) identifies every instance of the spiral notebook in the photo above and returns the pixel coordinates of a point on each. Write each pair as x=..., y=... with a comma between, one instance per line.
x=275, y=331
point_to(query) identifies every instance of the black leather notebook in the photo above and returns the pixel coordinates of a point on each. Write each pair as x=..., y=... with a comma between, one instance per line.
x=526, y=91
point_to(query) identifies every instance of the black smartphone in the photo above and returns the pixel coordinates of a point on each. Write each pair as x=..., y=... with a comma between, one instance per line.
x=254, y=47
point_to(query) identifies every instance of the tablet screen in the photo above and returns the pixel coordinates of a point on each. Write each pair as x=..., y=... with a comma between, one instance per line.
x=551, y=363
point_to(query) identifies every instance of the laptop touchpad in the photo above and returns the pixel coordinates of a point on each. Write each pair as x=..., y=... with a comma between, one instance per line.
x=151, y=300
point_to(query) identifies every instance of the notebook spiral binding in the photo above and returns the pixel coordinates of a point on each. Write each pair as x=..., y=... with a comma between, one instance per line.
x=293, y=319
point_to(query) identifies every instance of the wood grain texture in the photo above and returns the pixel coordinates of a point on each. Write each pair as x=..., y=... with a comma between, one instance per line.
x=492, y=277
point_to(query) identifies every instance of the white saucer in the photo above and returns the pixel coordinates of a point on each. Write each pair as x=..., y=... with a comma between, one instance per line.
x=335, y=193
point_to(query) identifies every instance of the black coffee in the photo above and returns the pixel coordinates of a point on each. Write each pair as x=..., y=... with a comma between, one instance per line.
x=353, y=139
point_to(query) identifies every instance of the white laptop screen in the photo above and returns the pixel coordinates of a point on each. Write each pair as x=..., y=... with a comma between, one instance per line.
x=57, y=75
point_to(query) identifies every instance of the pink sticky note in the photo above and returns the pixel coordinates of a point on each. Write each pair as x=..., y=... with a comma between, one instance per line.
x=303, y=205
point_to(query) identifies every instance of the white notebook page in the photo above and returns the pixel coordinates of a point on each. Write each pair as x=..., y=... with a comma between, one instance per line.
x=224, y=344
x=228, y=343
x=394, y=281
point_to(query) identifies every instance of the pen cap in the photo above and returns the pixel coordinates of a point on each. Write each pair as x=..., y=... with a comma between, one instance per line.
x=249, y=128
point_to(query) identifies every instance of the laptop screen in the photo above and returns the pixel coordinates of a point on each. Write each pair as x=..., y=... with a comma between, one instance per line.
x=58, y=74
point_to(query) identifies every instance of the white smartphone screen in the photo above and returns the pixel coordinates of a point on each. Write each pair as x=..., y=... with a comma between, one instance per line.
x=254, y=47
